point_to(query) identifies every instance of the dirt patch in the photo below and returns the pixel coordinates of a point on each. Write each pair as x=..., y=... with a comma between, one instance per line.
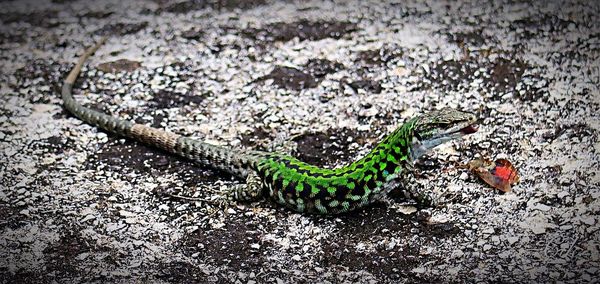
x=579, y=130
x=327, y=149
x=365, y=226
x=380, y=56
x=295, y=79
x=97, y=14
x=182, y=272
x=23, y=277
x=290, y=78
x=366, y=85
x=9, y=37
x=472, y=38
x=45, y=19
x=303, y=30
x=121, y=65
x=167, y=99
x=530, y=26
x=11, y=218
x=133, y=156
x=505, y=74
x=57, y=144
x=502, y=75
x=257, y=139
x=61, y=257
x=193, y=34
x=122, y=28
x=154, y=117
x=319, y=67
x=449, y=74
x=217, y=246
x=194, y=5
x=51, y=72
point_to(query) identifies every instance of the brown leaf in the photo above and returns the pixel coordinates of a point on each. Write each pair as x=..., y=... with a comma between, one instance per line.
x=500, y=174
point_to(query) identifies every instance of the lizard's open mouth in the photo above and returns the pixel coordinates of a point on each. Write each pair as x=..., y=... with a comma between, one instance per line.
x=469, y=129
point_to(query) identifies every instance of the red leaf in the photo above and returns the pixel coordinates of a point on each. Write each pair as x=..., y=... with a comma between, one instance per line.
x=500, y=174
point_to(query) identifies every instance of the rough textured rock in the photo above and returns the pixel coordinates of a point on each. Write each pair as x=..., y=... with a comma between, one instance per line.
x=80, y=205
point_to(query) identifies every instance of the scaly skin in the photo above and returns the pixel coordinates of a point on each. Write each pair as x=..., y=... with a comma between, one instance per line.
x=288, y=181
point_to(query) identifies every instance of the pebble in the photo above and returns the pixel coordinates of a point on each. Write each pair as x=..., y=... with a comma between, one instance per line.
x=541, y=207
x=512, y=240
x=126, y=213
x=463, y=176
x=588, y=220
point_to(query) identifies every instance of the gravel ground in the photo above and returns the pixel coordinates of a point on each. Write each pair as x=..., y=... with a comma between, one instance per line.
x=325, y=81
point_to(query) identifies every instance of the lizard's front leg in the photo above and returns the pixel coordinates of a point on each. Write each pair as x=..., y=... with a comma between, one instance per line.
x=252, y=190
x=411, y=190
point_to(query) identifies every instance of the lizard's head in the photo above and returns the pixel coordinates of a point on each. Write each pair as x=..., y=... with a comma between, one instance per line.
x=437, y=127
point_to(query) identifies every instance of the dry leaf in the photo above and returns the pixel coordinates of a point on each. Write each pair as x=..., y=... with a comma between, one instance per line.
x=500, y=174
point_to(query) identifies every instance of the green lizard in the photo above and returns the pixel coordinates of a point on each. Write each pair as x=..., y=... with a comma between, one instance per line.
x=289, y=181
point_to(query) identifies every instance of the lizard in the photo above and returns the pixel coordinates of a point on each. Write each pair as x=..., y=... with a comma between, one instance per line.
x=288, y=181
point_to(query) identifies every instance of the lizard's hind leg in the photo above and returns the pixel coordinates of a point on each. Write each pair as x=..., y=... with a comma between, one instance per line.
x=252, y=190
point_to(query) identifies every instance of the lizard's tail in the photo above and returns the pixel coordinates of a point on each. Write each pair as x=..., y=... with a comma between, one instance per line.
x=91, y=116
x=221, y=158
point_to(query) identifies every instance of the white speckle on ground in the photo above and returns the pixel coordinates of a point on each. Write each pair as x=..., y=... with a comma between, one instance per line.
x=80, y=205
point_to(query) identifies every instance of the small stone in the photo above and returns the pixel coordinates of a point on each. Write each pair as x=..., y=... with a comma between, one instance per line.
x=124, y=213
x=565, y=227
x=406, y=209
x=485, y=145
x=588, y=220
x=296, y=258
x=241, y=275
x=87, y=218
x=48, y=160
x=488, y=231
x=464, y=176
x=541, y=207
x=538, y=230
x=391, y=245
x=255, y=246
x=564, y=180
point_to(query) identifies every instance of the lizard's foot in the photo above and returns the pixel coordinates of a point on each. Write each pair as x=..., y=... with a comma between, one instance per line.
x=411, y=190
x=252, y=190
